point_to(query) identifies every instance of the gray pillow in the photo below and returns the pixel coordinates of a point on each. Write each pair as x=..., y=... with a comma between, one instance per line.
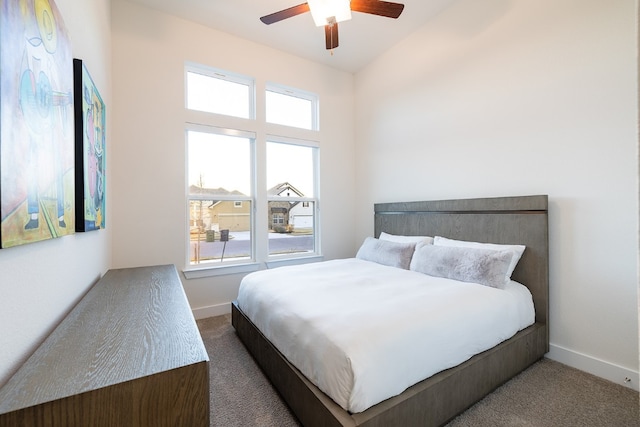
x=484, y=266
x=393, y=254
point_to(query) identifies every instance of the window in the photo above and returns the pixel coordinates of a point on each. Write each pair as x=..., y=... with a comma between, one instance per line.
x=277, y=219
x=235, y=217
x=291, y=190
x=219, y=92
x=219, y=196
x=291, y=107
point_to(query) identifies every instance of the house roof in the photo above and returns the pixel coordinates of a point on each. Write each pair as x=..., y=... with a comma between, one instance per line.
x=278, y=189
x=213, y=192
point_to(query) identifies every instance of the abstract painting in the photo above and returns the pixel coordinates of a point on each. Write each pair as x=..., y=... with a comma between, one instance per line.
x=90, y=156
x=36, y=124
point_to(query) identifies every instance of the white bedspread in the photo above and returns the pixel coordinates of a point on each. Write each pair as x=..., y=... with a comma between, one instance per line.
x=364, y=332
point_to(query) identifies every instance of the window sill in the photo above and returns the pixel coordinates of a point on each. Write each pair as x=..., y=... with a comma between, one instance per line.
x=201, y=272
x=198, y=273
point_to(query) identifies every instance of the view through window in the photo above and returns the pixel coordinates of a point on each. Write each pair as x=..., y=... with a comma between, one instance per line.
x=291, y=194
x=220, y=197
x=222, y=161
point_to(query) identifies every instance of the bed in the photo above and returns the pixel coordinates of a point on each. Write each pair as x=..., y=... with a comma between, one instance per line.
x=440, y=397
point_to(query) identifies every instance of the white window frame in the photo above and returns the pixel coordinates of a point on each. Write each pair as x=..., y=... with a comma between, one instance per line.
x=262, y=132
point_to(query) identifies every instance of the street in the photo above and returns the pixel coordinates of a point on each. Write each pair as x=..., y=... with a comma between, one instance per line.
x=239, y=245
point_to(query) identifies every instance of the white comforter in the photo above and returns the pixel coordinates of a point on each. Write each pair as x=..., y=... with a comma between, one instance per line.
x=364, y=332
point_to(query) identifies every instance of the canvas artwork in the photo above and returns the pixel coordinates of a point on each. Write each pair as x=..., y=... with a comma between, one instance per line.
x=36, y=124
x=90, y=118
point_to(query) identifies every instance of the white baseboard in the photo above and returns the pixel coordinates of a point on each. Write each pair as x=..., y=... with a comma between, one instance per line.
x=597, y=367
x=212, y=311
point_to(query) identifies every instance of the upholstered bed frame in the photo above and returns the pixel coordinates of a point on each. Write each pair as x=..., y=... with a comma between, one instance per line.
x=438, y=399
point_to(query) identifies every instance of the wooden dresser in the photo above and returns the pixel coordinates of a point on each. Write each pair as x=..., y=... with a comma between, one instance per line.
x=128, y=354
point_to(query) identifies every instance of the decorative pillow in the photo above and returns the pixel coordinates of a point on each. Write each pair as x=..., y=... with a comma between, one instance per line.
x=393, y=254
x=484, y=266
x=406, y=239
x=516, y=250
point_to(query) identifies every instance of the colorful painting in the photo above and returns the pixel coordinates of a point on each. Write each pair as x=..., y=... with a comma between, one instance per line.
x=36, y=124
x=90, y=156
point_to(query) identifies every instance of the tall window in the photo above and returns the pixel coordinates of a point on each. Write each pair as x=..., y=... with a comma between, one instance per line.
x=220, y=196
x=291, y=190
x=237, y=216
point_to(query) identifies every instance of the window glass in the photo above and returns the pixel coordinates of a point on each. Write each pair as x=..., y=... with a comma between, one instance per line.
x=220, y=94
x=220, y=161
x=219, y=197
x=291, y=198
x=293, y=164
x=291, y=107
x=219, y=232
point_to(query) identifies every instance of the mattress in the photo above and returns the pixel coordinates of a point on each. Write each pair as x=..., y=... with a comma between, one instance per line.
x=363, y=332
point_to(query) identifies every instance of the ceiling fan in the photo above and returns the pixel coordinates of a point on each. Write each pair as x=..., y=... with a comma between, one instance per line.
x=330, y=12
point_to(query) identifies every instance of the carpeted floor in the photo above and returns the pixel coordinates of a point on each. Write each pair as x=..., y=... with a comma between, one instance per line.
x=548, y=394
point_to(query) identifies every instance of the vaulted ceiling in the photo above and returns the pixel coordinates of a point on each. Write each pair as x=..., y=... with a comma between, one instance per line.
x=362, y=38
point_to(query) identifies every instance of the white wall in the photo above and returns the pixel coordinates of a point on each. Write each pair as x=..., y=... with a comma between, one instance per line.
x=41, y=282
x=149, y=52
x=505, y=97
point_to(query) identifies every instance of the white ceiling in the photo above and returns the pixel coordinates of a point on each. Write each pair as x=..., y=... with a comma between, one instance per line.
x=361, y=39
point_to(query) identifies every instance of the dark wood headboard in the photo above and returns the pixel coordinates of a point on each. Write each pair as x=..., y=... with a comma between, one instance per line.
x=508, y=220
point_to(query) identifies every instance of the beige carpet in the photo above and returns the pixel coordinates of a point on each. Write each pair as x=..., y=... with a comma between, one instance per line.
x=548, y=394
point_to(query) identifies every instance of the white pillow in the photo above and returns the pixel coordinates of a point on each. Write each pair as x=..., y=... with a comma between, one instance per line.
x=406, y=239
x=393, y=254
x=487, y=267
x=517, y=250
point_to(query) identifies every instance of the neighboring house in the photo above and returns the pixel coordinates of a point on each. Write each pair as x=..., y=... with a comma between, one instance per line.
x=216, y=214
x=288, y=215
x=301, y=216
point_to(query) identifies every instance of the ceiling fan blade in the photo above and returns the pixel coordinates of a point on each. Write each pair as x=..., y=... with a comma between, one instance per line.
x=377, y=7
x=331, y=35
x=286, y=13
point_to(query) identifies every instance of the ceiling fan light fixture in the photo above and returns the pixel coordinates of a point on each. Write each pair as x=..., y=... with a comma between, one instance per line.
x=323, y=11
